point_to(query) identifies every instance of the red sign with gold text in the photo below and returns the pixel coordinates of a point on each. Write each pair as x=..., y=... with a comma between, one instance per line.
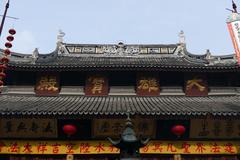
x=47, y=84
x=147, y=85
x=196, y=86
x=96, y=85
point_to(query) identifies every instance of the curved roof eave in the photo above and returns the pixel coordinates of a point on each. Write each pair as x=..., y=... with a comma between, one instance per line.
x=66, y=61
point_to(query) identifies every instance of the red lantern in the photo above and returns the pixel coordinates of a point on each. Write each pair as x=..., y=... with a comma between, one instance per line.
x=12, y=31
x=69, y=129
x=178, y=130
x=1, y=83
x=8, y=45
x=3, y=66
x=7, y=52
x=5, y=60
x=2, y=75
x=10, y=38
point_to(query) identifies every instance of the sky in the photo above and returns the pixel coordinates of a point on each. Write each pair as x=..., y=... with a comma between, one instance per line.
x=112, y=21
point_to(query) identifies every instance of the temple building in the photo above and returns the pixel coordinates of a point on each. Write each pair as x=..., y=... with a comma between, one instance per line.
x=68, y=102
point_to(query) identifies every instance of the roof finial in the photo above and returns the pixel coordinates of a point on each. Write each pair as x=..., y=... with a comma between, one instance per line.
x=182, y=37
x=60, y=36
x=208, y=54
x=35, y=53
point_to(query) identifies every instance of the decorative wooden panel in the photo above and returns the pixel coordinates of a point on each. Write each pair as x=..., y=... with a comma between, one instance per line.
x=215, y=128
x=196, y=86
x=147, y=85
x=113, y=128
x=47, y=84
x=28, y=128
x=96, y=85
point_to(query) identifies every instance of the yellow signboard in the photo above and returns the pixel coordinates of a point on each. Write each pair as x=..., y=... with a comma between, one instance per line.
x=215, y=128
x=28, y=128
x=104, y=147
x=114, y=127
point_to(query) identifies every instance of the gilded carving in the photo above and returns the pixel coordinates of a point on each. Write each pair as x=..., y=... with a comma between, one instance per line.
x=195, y=83
x=47, y=83
x=148, y=84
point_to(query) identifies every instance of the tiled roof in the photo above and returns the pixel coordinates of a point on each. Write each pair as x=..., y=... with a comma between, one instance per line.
x=137, y=62
x=147, y=62
x=86, y=60
x=119, y=105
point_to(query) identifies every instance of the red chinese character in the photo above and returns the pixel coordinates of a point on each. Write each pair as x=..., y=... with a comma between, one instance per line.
x=70, y=148
x=145, y=148
x=111, y=149
x=185, y=147
x=229, y=148
x=1, y=146
x=99, y=147
x=27, y=148
x=55, y=148
x=157, y=147
x=215, y=148
x=171, y=148
x=42, y=148
x=14, y=147
x=84, y=148
x=200, y=148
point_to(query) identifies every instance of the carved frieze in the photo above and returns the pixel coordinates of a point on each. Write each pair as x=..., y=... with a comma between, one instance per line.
x=88, y=49
x=153, y=50
x=120, y=49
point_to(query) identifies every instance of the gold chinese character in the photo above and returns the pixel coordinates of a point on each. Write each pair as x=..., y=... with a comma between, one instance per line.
x=47, y=83
x=43, y=83
x=97, y=85
x=52, y=81
x=195, y=82
x=148, y=84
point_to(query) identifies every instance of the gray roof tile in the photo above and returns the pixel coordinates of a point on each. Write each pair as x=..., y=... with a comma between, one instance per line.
x=115, y=105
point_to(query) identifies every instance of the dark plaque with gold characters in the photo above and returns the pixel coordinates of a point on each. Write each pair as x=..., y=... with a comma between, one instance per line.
x=47, y=84
x=147, y=85
x=196, y=86
x=96, y=85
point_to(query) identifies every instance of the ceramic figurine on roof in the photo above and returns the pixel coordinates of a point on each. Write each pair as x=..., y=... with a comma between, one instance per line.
x=60, y=36
x=60, y=45
x=182, y=37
